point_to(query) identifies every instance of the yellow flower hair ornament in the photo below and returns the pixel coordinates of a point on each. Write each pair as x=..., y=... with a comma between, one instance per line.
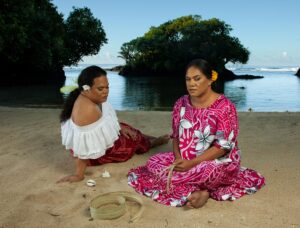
x=214, y=75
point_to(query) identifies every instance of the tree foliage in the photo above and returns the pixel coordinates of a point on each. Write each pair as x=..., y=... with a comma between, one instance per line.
x=35, y=38
x=84, y=34
x=170, y=46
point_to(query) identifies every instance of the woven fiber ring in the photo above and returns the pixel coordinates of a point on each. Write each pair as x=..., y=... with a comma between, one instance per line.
x=112, y=205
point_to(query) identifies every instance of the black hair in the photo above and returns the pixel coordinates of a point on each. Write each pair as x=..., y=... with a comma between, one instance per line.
x=201, y=65
x=86, y=77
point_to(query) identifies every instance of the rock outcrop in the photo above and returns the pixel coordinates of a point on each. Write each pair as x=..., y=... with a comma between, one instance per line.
x=298, y=73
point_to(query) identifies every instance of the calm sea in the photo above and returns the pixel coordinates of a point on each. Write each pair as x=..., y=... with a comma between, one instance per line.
x=278, y=91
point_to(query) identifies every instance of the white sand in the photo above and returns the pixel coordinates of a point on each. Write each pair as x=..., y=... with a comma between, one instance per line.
x=33, y=159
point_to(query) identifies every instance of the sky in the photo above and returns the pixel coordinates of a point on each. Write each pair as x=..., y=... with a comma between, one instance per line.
x=269, y=29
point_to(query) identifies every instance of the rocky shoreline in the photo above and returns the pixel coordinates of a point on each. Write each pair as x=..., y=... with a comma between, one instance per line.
x=298, y=73
x=228, y=75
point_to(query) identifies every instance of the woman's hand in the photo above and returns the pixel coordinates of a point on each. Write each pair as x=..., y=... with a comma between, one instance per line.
x=177, y=159
x=128, y=133
x=183, y=165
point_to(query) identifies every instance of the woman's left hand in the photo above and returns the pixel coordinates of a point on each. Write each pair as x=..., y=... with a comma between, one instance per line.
x=183, y=165
x=128, y=133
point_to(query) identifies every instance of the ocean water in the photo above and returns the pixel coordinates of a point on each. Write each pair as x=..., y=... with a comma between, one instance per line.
x=278, y=91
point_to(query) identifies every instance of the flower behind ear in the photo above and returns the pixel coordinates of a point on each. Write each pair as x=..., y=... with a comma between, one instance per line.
x=214, y=75
x=86, y=87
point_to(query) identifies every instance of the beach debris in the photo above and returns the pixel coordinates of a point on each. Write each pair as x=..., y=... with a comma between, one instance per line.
x=167, y=223
x=91, y=183
x=105, y=174
x=53, y=214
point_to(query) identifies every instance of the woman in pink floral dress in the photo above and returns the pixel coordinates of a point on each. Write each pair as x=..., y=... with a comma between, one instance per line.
x=205, y=157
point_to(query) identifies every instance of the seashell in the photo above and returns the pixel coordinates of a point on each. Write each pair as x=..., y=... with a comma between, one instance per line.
x=91, y=183
x=106, y=174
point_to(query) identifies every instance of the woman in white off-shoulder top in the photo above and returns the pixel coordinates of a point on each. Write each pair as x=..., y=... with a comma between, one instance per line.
x=91, y=130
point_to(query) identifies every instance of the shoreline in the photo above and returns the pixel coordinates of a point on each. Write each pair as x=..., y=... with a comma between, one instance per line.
x=159, y=109
x=33, y=159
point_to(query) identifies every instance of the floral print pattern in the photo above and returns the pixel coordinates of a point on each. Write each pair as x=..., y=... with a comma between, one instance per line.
x=196, y=131
x=227, y=144
x=205, y=139
x=184, y=124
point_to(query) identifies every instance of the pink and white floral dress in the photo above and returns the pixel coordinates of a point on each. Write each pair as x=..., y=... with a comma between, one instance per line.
x=198, y=129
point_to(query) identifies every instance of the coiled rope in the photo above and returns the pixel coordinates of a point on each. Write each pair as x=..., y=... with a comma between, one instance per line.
x=112, y=205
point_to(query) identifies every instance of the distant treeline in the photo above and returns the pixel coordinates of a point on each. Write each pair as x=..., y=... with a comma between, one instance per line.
x=166, y=49
x=36, y=42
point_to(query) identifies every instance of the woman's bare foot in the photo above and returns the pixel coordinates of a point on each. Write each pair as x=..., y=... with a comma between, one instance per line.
x=197, y=199
x=159, y=140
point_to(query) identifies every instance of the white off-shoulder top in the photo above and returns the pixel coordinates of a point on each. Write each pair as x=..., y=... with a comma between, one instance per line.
x=92, y=140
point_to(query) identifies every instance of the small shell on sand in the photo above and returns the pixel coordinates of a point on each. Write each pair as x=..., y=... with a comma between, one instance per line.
x=91, y=183
x=106, y=174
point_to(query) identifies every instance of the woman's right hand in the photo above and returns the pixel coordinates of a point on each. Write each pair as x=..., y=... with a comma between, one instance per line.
x=177, y=160
x=182, y=165
x=71, y=178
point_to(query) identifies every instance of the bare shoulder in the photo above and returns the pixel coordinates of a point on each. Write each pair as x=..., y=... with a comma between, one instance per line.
x=85, y=112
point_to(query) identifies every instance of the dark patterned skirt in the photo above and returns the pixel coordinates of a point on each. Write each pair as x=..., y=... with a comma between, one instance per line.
x=123, y=148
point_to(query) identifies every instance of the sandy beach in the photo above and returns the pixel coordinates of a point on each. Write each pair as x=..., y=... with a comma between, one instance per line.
x=33, y=159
